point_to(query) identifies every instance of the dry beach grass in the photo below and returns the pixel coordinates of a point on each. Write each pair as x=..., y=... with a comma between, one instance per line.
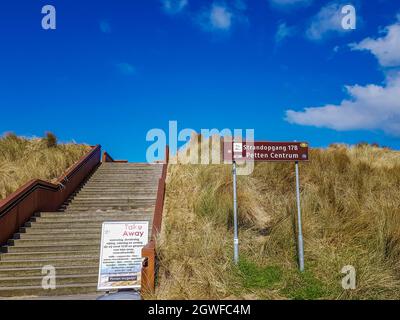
x=351, y=216
x=23, y=159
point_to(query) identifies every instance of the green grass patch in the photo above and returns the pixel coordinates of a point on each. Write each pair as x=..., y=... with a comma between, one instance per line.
x=254, y=276
x=304, y=286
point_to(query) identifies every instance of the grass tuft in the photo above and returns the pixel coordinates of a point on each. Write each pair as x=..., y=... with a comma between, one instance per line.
x=304, y=286
x=23, y=159
x=51, y=140
x=254, y=276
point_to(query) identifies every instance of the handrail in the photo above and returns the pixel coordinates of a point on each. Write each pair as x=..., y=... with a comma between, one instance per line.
x=149, y=251
x=107, y=158
x=84, y=159
x=38, y=195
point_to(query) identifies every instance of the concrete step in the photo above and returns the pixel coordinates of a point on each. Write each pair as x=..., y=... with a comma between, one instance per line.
x=112, y=200
x=125, y=180
x=129, y=166
x=37, y=280
x=112, y=192
x=94, y=218
x=137, y=203
x=92, y=214
x=130, y=169
x=60, y=231
x=39, y=243
x=126, y=177
x=129, y=182
x=37, y=271
x=61, y=236
x=57, y=247
x=132, y=180
x=107, y=207
x=108, y=191
x=139, y=170
x=147, y=207
x=103, y=203
x=58, y=262
x=117, y=193
x=114, y=196
x=67, y=289
x=71, y=255
x=129, y=189
x=81, y=223
x=123, y=184
x=62, y=225
x=130, y=173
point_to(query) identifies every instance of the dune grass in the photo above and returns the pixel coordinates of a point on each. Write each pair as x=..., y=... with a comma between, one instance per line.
x=351, y=216
x=23, y=159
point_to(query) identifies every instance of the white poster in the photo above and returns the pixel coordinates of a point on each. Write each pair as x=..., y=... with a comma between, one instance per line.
x=121, y=254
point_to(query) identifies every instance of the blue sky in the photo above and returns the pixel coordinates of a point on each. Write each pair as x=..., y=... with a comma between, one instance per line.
x=113, y=70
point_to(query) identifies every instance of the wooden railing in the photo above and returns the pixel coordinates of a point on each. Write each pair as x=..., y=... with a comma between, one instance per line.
x=39, y=195
x=149, y=251
x=107, y=158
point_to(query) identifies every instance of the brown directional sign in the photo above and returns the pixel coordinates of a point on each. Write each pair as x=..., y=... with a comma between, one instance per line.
x=266, y=151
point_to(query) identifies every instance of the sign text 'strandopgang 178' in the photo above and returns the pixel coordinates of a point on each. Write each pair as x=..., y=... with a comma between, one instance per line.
x=266, y=151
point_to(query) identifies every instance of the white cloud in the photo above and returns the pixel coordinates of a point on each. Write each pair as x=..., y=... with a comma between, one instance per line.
x=328, y=20
x=386, y=49
x=174, y=6
x=284, y=31
x=220, y=17
x=369, y=107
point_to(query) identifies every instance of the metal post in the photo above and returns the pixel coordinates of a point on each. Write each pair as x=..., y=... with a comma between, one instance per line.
x=235, y=222
x=300, y=231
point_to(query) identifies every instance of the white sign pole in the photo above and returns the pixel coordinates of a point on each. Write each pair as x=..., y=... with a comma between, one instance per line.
x=300, y=231
x=235, y=219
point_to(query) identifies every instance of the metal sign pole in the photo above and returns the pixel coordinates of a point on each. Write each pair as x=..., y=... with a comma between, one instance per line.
x=235, y=222
x=300, y=231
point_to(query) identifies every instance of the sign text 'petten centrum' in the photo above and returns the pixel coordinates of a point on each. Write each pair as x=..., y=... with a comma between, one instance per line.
x=266, y=151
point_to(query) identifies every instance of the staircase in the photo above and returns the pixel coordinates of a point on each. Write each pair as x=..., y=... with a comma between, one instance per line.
x=69, y=240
